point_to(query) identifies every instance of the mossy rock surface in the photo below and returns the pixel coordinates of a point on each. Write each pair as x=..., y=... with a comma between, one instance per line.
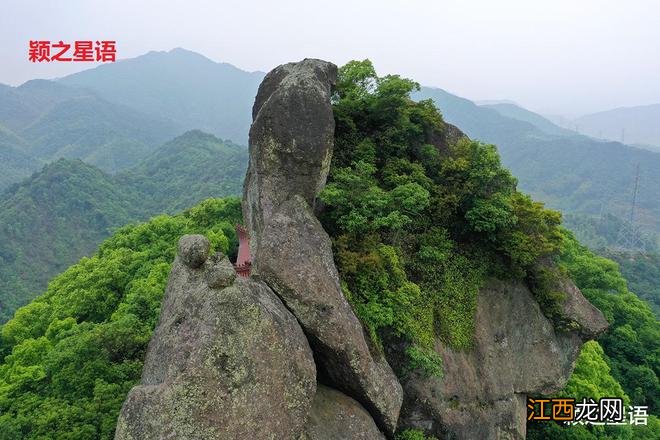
x=222, y=363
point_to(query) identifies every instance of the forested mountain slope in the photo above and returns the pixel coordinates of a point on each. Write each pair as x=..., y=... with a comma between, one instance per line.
x=186, y=170
x=50, y=220
x=71, y=355
x=62, y=213
x=575, y=174
x=642, y=273
x=109, y=136
x=15, y=162
x=41, y=121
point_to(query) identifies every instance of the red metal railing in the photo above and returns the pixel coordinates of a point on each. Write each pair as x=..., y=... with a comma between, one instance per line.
x=243, y=263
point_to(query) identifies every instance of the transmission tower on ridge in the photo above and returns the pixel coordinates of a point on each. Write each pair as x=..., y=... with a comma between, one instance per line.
x=630, y=236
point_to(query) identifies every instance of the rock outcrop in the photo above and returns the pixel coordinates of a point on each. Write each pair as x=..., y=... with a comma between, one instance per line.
x=291, y=142
x=295, y=259
x=291, y=139
x=335, y=416
x=237, y=358
x=226, y=361
x=516, y=352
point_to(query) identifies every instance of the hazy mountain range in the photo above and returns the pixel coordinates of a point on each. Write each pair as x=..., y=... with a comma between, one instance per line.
x=574, y=173
x=514, y=111
x=47, y=120
x=638, y=125
x=116, y=117
x=179, y=86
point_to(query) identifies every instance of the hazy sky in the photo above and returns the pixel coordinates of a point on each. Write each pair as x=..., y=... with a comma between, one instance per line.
x=560, y=56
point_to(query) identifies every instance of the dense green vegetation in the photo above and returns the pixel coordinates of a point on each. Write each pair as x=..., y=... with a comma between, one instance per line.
x=64, y=211
x=413, y=434
x=575, y=174
x=50, y=221
x=642, y=272
x=45, y=121
x=627, y=364
x=190, y=168
x=72, y=354
x=15, y=162
x=419, y=222
x=632, y=342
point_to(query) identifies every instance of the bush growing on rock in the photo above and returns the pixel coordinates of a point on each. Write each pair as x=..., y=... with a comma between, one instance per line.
x=419, y=220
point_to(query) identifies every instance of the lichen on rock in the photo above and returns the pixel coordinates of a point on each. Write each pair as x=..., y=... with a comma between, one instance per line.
x=335, y=416
x=516, y=352
x=291, y=141
x=223, y=363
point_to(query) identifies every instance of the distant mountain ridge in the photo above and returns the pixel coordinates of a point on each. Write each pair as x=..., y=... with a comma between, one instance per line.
x=575, y=174
x=514, y=111
x=114, y=115
x=181, y=86
x=633, y=125
x=44, y=120
x=61, y=213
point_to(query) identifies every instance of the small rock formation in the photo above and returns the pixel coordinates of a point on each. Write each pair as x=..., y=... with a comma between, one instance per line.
x=590, y=322
x=227, y=360
x=516, y=352
x=291, y=141
x=194, y=250
x=335, y=416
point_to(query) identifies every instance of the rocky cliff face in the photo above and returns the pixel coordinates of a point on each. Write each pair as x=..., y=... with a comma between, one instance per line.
x=282, y=355
x=516, y=352
x=291, y=143
x=227, y=360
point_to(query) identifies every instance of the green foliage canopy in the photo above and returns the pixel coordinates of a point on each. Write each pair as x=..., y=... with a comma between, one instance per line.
x=418, y=221
x=72, y=355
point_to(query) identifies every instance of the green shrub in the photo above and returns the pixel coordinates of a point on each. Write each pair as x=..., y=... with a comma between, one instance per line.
x=425, y=360
x=71, y=356
x=413, y=434
x=418, y=224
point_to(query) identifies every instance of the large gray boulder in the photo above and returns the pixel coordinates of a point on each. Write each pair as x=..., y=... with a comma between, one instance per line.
x=516, y=352
x=335, y=416
x=291, y=141
x=226, y=361
x=295, y=259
